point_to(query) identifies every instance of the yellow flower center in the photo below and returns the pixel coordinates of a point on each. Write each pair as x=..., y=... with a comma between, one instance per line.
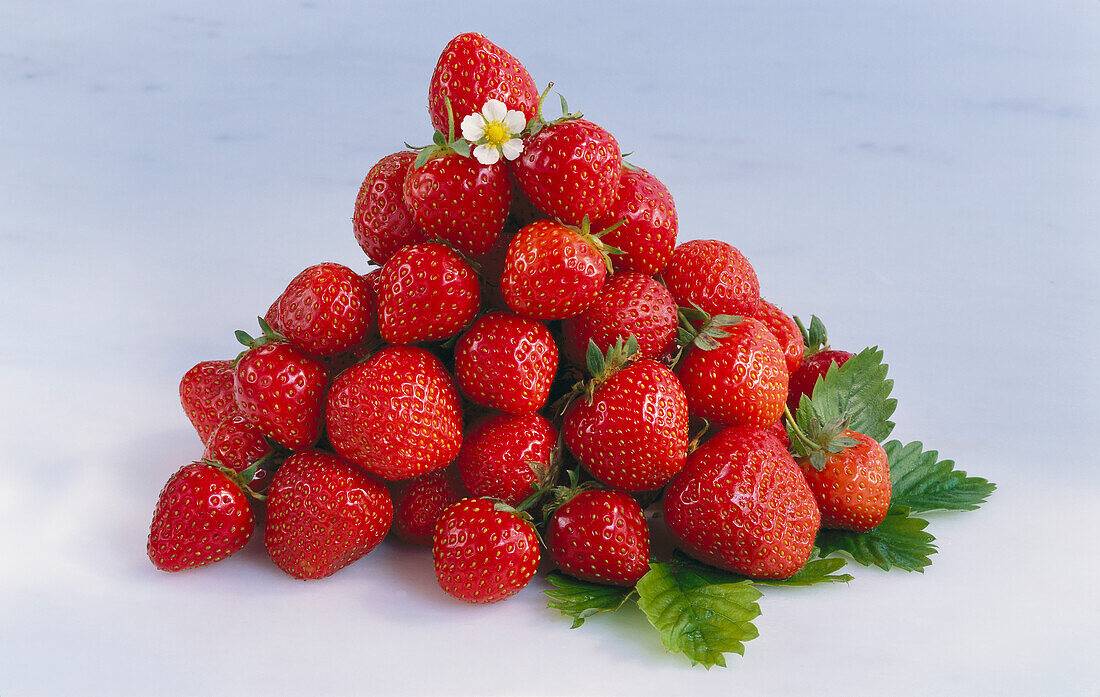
x=496, y=133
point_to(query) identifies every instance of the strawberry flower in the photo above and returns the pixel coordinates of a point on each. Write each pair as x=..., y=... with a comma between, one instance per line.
x=494, y=131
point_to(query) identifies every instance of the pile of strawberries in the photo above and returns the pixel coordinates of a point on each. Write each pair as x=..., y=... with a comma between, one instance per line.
x=534, y=364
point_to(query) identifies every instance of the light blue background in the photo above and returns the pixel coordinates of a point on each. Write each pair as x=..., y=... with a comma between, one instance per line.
x=923, y=176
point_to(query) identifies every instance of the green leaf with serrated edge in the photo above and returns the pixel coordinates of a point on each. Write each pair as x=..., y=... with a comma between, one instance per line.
x=816, y=570
x=697, y=618
x=858, y=391
x=924, y=483
x=594, y=359
x=580, y=599
x=898, y=542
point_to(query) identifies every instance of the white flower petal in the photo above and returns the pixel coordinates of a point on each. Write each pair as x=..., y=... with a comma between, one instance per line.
x=515, y=121
x=512, y=149
x=473, y=127
x=487, y=155
x=494, y=110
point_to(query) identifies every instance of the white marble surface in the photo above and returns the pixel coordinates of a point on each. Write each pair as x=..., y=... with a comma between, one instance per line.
x=924, y=176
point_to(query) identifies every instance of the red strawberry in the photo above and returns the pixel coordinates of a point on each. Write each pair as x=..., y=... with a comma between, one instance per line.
x=383, y=222
x=754, y=437
x=396, y=415
x=785, y=331
x=418, y=504
x=236, y=443
x=742, y=381
x=648, y=235
x=484, y=552
x=630, y=304
x=206, y=393
x=507, y=457
x=202, y=516
x=426, y=293
x=600, y=536
x=744, y=507
x=779, y=430
x=459, y=200
x=853, y=488
x=713, y=275
x=633, y=434
x=570, y=170
x=552, y=271
x=506, y=362
x=323, y=514
x=281, y=389
x=327, y=309
x=471, y=71
x=813, y=367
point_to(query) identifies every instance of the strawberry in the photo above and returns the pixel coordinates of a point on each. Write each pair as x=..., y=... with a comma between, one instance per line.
x=713, y=275
x=281, y=389
x=779, y=430
x=426, y=293
x=570, y=170
x=202, y=516
x=774, y=436
x=206, y=394
x=813, y=367
x=325, y=310
x=741, y=381
x=552, y=271
x=383, y=222
x=506, y=362
x=852, y=489
x=323, y=514
x=484, y=552
x=507, y=457
x=649, y=225
x=459, y=200
x=471, y=71
x=632, y=433
x=600, y=536
x=743, y=506
x=236, y=443
x=785, y=331
x=630, y=304
x=418, y=503
x=396, y=415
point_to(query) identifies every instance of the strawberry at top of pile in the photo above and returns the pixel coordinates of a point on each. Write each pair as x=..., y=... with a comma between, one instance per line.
x=534, y=363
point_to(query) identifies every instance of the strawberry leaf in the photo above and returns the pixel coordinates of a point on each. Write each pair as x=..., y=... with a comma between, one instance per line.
x=580, y=599
x=816, y=570
x=857, y=392
x=924, y=483
x=697, y=618
x=898, y=542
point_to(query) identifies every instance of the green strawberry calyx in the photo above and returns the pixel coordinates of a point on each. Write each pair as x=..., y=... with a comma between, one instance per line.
x=601, y=366
x=700, y=329
x=243, y=478
x=594, y=240
x=819, y=439
x=267, y=336
x=564, y=493
x=538, y=122
x=442, y=143
x=814, y=337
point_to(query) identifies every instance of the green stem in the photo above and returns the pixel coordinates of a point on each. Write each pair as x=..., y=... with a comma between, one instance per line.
x=792, y=427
